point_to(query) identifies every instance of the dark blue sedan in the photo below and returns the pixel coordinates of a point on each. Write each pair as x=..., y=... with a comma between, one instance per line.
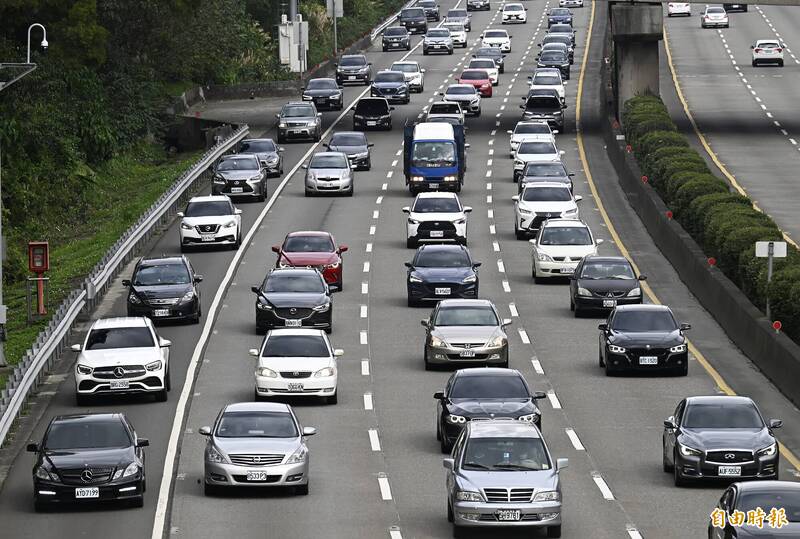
x=439, y=272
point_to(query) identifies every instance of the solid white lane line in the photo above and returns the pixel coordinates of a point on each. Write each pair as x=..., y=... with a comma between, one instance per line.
x=386, y=491
x=506, y=288
x=496, y=247
x=537, y=366
x=363, y=311
x=513, y=308
x=500, y=266
x=375, y=214
x=601, y=484
x=365, y=288
x=368, y=401
x=576, y=442
x=524, y=336
x=366, y=267
x=368, y=248
x=363, y=336
x=364, y=367
x=374, y=441
x=555, y=403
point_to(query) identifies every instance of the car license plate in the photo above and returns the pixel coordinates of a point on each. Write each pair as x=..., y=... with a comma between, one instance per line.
x=437, y=233
x=256, y=476
x=92, y=492
x=433, y=186
x=609, y=303
x=294, y=323
x=206, y=237
x=442, y=291
x=568, y=270
x=291, y=132
x=372, y=123
x=467, y=353
x=119, y=384
x=241, y=189
x=648, y=360
x=295, y=387
x=160, y=312
x=351, y=77
x=729, y=470
x=508, y=514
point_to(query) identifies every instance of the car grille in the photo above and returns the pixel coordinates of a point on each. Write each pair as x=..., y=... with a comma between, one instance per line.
x=296, y=124
x=566, y=259
x=207, y=229
x=541, y=217
x=505, y=495
x=295, y=374
x=292, y=312
x=110, y=372
x=466, y=345
x=240, y=184
x=386, y=91
x=304, y=390
x=256, y=460
x=162, y=301
x=72, y=476
x=721, y=457
x=611, y=294
x=427, y=226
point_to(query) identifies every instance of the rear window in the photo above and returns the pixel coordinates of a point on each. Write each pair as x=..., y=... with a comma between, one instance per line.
x=110, y=338
x=565, y=235
x=513, y=7
x=260, y=146
x=768, y=45
x=715, y=10
x=547, y=194
x=297, y=111
x=546, y=80
x=553, y=56
x=537, y=147
x=546, y=170
x=544, y=102
x=413, y=13
x=489, y=387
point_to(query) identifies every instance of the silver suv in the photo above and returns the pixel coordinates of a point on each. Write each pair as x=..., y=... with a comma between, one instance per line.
x=501, y=474
x=299, y=120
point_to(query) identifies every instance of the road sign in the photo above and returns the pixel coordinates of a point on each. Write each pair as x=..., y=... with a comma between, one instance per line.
x=335, y=6
x=770, y=250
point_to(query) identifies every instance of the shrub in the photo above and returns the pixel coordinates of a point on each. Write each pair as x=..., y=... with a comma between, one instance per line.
x=668, y=151
x=650, y=142
x=784, y=297
x=667, y=168
x=693, y=217
x=696, y=188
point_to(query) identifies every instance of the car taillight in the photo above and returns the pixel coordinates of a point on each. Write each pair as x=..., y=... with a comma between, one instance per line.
x=779, y=49
x=758, y=50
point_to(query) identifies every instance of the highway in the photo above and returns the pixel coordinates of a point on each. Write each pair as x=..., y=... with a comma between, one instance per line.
x=391, y=483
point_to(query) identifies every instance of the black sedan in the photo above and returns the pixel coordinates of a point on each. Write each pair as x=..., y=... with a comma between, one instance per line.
x=89, y=458
x=556, y=59
x=441, y=271
x=265, y=149
x=431, y=9
x=395, y=38
x=545, y=172
x=392, y=85
x=293, y=298
x=749, y=496
x=372, y=113
x=483, y=392
x=559, y=15
x=325, y=93
x=164, y=289
x=601, y=283
x=355, y=146
x=563, y=29
x=643, y=338
x=719, y=437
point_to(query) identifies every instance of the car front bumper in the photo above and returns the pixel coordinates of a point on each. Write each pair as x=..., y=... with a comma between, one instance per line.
x=597, y=303
x=552, y=268
x=696, y=467
x=236, y=188
x=630, y=361
x=326, y=103
x=482, y=514
x=343, y=185
x=403, y=97
x=437, y=47
x=56, y=492
x=296, y=387
x=232, y=475
x=268, y=319
x=448, y=231
x=427, y=291
x=416, y=27
x=177, y=311
x=362, y=123
x=478, y=354
x=149, y=382
x=223, y=236
x=509, y=19
x=350, y=78
x=404, y=44
x=297, y=132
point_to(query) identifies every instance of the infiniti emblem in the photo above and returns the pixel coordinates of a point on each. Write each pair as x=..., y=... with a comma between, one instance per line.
x=119, y=372
x=86, y=476
x=730, y=456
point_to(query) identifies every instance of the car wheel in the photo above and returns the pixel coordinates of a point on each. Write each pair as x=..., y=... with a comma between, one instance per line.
x=308, y=193
x=780, y=63
x=262, y=194
x=445, y=446
x=369, y=164
x=411, y=243
x=260, y=330
x=599, y=354
x=256, y=396
x=571, y=305
x=349, y=193
x=82, y=400
x=519, y=234
x=428, y=367
x=608, y=369
x=333, y=399
x=665, y=465
x=554, y=531
x=682, y=371
x=40, y=506
x=438, y=431
x=412, y=302
x=450, y=51
x=328, y=330
x=301, y=490
x=449, y=512
x=281, y=139
x=458, y=531
x=318, y=135
x=537, y=280
x=161, y=396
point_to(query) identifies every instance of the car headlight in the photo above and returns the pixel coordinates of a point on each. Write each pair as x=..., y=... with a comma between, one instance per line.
x=266, y=372
x=282, y=125
x=45, y=473
x=436, y=342
x=218, y=179
x=213, y=455
x=417, y=178
x=272, y=159
x=450, y=178
x=84, y=369
x=456, y=419
x=523, y=211
x=325, y=373
x=470, y=279
x=332, y=266
x=311, y=176
x=614, y=349
x=518, y=164
x=583, y=292
x=634, y=292
x=767, y=451
x=543, y=257
x=364, y=69
x=547, y=496
x=468, y=496
x=130, y=469
x=571, y=211
x=681, y=348
x=496, y=341
x=324, y=308
x=133, y=298
x=530, y=418
x=264, y=306
x=185, y=226
x=154, y=365
x=188, y=296
x=414, y=279
x=229, y=224
x=687, y=451
x=298, y=456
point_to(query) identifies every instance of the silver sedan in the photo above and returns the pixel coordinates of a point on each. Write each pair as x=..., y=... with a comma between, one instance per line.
x=329, y=172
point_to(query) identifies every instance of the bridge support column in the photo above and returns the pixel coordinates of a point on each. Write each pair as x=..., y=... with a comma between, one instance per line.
x=636, y=30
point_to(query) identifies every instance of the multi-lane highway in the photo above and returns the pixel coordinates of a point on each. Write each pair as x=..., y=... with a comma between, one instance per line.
x=375, y=463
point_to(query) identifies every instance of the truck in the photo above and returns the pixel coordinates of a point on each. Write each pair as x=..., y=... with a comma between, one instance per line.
x=434, y=156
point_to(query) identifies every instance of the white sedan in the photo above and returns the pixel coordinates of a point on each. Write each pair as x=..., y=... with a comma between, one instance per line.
x=714, y=16
x=541, y=201
x=546, y=77
x=570, y=3
x=496, y=38
x=767, y=51
x=679, y=8
x=516, y=13
x=436, y=216
x=534, y=151
x=525, y=131
x=488, y=65
x=559, y=246
x=210, y=220
x=457, y=32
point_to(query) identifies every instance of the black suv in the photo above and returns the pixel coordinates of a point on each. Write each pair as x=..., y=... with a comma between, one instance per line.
x=354, y=68
x=396, y=37
x=293, y=298
x=88, y=458
x=414, y=20
x=545, y=105
x=372, y=113
x=164, y=289
x=431, y=9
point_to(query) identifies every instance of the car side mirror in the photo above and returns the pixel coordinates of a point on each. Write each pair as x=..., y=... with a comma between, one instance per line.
x=448, y=464
x=409, y=265
x=370, y=145
x=406, y=209
x=343, y=248
x=599, y=241
x=278, y=116
x=327, y=145
x=506, y=322
x=319, y=114
x=281, y=150
x=686, y=327
x=302, y=88
x=338, y=352
x=276, y=249
x=198, y=279
x=142, y=442
x=515, y=198
x=255, y=289
x=570, y=174
x=642, y=277
x=424, y=323
x=510, y=132
x=422, y=70
x=205, y=431
x=335, y=65
x=309, y=431
x=253, y=352
x=538, y=395
x=237, y=211
x=180, y=214
x=578, y=198
x=32, y=448
x=467, y=209
x=75, y=347
x=775, y=423
x=439, y=395
x=476, y=264
x=522, y=106
x=602, y=327
x=669, y=423
x=304, y=166
x=164, y=343
x=467, y=144
x=126, y=282
x=562, y=463
x=752, y=46
x=391, y=108
x=532, y=241
x=562, y=152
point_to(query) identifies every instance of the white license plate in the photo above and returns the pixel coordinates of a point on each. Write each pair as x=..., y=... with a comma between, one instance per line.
x=433, y=186
x=295, y=387
x=437, y=233
x=256, y=476
x=291, y=132
x=442, y=291
x=648, y=360
x=241, y=189
x=729, y=470
x=294, y=323
x=351, y=77
x=609, y=303
x=371, y=124
x=508, y=514
x=567, y=270
x=91, y=492
x=467, y=353
x=160, y=312
x=207, y=237
x=119, y=384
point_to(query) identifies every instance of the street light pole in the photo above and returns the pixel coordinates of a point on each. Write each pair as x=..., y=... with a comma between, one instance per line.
x=44, y=38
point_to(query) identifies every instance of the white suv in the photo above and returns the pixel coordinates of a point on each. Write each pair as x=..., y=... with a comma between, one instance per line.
x=767, y=51
x=210, y=220
x=436, y=216
x=541, y=201
x=414, y=75
x=122, y=355
x=559, y=246
x=515, y=13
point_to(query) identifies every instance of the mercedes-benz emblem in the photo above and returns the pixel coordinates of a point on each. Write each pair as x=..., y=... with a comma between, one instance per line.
x=119, y=372
x=256, y=459
x=86, y=475
x=292, y=311
x=609, y=294
x=730, y=456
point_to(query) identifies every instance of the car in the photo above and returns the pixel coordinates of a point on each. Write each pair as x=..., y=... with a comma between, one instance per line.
x=562, y=29
x=496, y=38
x=256, y=445
x=734, y=7
x=539, y=202
x=353, y=68
x=293, y=298
x=555, y=59
x=445, y=110
x=211, y=220
x=544, y=105
x=559, y=15
x=493, y=53
x=479, y=78
x=559, y=38
x=329, y=173
x=440, y=271
x=501, y=474
x=239, y=175
x=478, y=5
x=714, y=16
x=86, y=458
x=265, y=149
x=545, y=172
x=121, y=356
x=526, y=131
x=437, y=40
x=464, y=331
x=372, y=113
x=679, y=8
x=414, y=20
x=534, y=151
x=767, y=51
x=296, y=362
x=483, y=393
x=460, y=15
x=601, y=283
x=431, y=9
x=355, y=146
x=164, y=288
x=514, y=12
x=395, y=37
x=557, y=46
x=316, y=249
x=546, y=78
x=570, y=3
x=746, y=497
x=392, y=85
x=299, y=120
x=643, y=338
x=465, y=95
x=436, y=216
x=457, y=32
x=719, y=437
x=326, y=94
x=559, y=246
x=488, y=65
x=414, y=74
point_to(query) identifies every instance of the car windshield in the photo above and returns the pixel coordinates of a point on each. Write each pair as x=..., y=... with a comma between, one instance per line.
x=715, y=10
x=405, y=68
x=412, y=14
x=546, y=194
x=474, y=75
x=89, y=434
x=721, y=416
x=436, y=205
x=490, y=52
x=565, y=235
x=607, y=270
x=552, y=56
x=537, y=147
x=208, y=209
x=543, y=102
x=557, y=39
x=433, y=154
x=349, y=139
x=259, y=146
x=372, y=107
x=466, y=316
x=238, y=163
x=483, y=64
x=495, y=33
x=328, y=161
x=110, y=338
x=427, y=3
x=559, y=12
x=461, y=90
x=489, y=387
x=322, y=84
x=454, y=26
x=353, y=61
x=162, y=274
x=513, y=7
x=560, y=29
x=294, y=282
x=788, y=499
x=256, y=424
x=308, y=244
x=439, y=32
x=298, y=111
x=295, y=346
x=545, y=170
x=389, y=77
x=511, y=454
x=457, y=14
x=439, y=258
x=643, y=321
x=546, y=80
x=395, y=31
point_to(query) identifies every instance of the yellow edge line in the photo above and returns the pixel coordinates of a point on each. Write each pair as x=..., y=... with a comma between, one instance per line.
x=703, y=141
x=715, y=375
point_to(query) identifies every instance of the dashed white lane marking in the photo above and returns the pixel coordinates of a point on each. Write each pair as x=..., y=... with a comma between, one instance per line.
x=363, y=336
x=384, y=187
x=394, y=163
x=784, y=132
x=490, y=214
x=372, y=231
x=491, y=151
x=368, y=401
x=375, y=214
x=488, y=199
x=769, y=115
x=368, y=248
x=601, y=484
x=430, y=100
x=488, y=175
x=363, y=311
x=500, y=266
x=524, y=336
x=366, y=267
x=395, y=534
x=399, y=152
x=488, y=162
x=794, y=142
x=492, y=229
x=495, y=247
x=365, y=288
x=763, y=107
x=379, y=200
x=777, y=123
x=633, y=533
x=364, y=367
x=512, y=307
x=576, y=442
x=491, y=142
x=390, y=174
x=489, y=184
x=506, y=287
x=494, y=131
x=554, y=402
x=374, y=441
x=537, y=366
x=386, y=491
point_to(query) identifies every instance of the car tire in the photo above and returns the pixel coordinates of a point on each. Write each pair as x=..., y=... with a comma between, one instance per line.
x=537, y=280
x=519, y=234
x=412, y=302
x=328, y=330
x=458, y=531
x=281, y=139
x=449, y=512
x=676, y=476
x=210, y=490
x=301, y=490
x=349, y=193
x=780, y=63
x=318, y=135
x=82, y=400
x=308, y=193
x=682, y=371
x=262, y=195
x=40, y=506
x=424, y=52
x=599, y=354
x=369, y=164
x=333, y=399
x=260, y=330
x=478, y=114
x=571, y=305
x=168, y=380
x=411, y=243
x=450, y=52
x=754, y=63
x=666, y=467
x=161, y=396
x=429, y=367
x=438, y=431
x=444, y=446
x=554, y=531
x=256, y=396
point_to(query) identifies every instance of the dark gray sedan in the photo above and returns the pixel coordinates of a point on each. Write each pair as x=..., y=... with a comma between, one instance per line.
x=265, y=149
x=355, y=146
x=326, y=94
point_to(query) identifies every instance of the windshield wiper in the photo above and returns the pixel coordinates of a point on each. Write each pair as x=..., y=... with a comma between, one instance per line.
x=477, y=465
x=514, y=467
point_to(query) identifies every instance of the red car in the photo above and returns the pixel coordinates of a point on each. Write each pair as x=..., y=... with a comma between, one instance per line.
x=479, y=79
x=315, y=249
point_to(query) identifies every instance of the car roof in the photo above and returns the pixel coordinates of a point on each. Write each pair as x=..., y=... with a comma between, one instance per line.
x=767, y=486
x=484, y=371
x=441, y=247
x=293, y=269
x=163, y=261
x=539, y=185
x=643, y=307
x=606, y=258
x=260, y=139
x=458, y=302
x=384, y=71
x=329, y=154
x=308, y=233
x=353, y=56
x=121, y=322
x=257, y=407
x=719, y=399
x=368, y=99
x=93, y=417
x=575, y=223
x=437, y=194
x=502, y=428
x=402, y=62
x=542, y=92
x=460, y=85
x=306, y=103
x=350, y=133
x=210, y=198
x=231, y=157
x=308, y=332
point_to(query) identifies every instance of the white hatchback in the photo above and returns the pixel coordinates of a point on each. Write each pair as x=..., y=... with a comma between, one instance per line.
x=515, y=13
x=679, y=8
x=714, y=16
x=546, y=77
x=767, y=51
x=210, y=220
x=436, y=216
x=541, y=201
x=559, y=246
x=413, y=73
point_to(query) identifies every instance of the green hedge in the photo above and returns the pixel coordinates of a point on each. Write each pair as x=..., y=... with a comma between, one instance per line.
x=725, y=224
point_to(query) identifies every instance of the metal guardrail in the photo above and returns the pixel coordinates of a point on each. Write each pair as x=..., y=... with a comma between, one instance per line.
x=388, y=22
x=50, y=343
